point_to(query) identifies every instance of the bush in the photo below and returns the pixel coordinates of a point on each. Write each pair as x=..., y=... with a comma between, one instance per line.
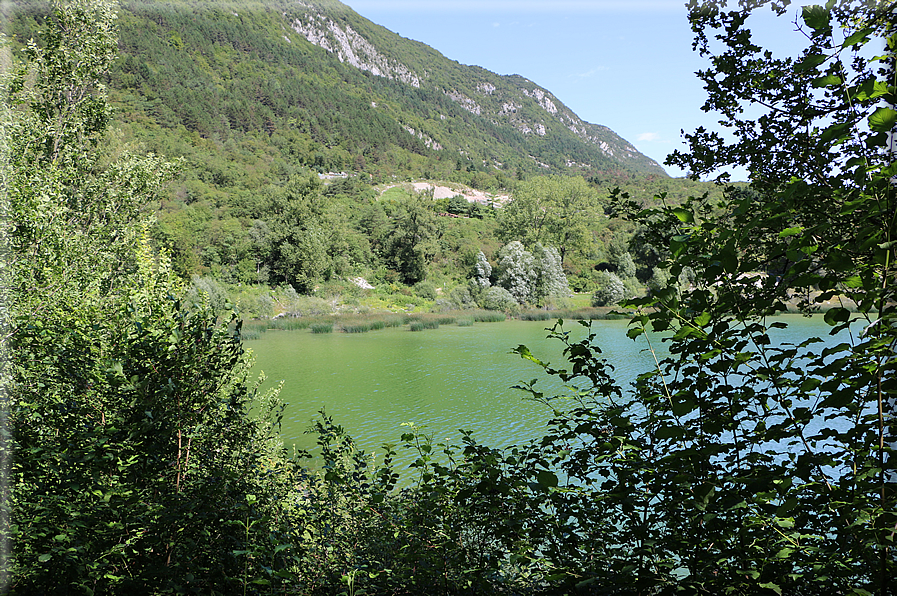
x=425, y=290
x=610, y=289
x=461, y=297
x=498, y=298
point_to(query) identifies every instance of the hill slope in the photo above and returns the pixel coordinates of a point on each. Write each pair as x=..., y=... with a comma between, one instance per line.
x=508, y=102
x=357, y=92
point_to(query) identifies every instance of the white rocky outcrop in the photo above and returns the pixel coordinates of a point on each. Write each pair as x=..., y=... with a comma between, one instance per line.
x=428, y=141
x=542, y=98
x=465, y=102
x=350, y=47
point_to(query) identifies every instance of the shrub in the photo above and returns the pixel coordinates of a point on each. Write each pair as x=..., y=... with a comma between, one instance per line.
x=498, y=298
x=425, y=290
x=610, y=289
x=461, y=297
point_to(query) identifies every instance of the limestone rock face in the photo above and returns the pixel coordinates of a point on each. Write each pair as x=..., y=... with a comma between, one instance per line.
x=351, y=48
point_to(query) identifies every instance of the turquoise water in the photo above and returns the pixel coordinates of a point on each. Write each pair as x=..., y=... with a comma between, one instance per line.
x=444, y=379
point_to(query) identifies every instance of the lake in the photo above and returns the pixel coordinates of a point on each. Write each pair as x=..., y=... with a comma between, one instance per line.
x=443, y=379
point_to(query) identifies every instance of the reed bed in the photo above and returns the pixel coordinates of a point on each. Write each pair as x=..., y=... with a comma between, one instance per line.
x=537, y=315
x=421, y=325
x=488, y=316
x=251, y=334
x=290, y=323
x=255, y=329
x=395, y=321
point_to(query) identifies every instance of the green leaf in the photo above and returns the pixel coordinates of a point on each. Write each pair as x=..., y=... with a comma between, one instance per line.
x=683, y=404
x=837, y=315
x=684, y=215
x=771, y=586
x=547, y=479
x=854, y=281
x=883, y=120
x=729, y=260
x=634, y=332
x=840, y=129
x=791, y=232
x=861, y=36
x=811, y=61
x=816, y=18
x=870, y=89
x=826, y=81
x=45, y=557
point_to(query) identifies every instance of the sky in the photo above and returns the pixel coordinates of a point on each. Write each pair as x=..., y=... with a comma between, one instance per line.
x=627, y=65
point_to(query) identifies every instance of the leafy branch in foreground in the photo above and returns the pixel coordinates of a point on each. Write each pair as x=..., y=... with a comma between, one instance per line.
x=771, y=463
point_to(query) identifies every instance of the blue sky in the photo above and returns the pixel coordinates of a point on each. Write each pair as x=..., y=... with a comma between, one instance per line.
x=624, y=64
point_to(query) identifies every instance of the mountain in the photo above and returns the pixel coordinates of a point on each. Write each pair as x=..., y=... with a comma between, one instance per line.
x=504, y=101
x=359, y=95
x=258, y=101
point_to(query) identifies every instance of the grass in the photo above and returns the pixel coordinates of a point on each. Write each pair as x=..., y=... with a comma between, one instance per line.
x=537, y=315
x=488, y=316
x=395, y=193
x=417, y=321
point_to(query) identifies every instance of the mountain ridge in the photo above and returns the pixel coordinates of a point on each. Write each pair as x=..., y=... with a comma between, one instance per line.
x=329, y=25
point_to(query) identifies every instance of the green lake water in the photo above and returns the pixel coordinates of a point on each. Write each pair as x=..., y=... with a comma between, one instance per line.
x=443, y=379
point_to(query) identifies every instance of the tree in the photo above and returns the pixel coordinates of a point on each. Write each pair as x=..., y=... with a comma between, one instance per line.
x=551, y=282
x=298, y=241
x=134, y=465
x=410, y=243
x=517, y=271
x=557, y=211
x=610, y=289
x=483, y=271
x=742, y=464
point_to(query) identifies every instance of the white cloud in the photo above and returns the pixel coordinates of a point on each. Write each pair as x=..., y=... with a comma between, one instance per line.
x=648, y=136
x=590, y=73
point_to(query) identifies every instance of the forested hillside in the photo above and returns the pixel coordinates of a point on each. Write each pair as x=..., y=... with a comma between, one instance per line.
x=257, y=113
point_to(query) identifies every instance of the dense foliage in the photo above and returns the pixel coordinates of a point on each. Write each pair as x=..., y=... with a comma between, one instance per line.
x=133, y=460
